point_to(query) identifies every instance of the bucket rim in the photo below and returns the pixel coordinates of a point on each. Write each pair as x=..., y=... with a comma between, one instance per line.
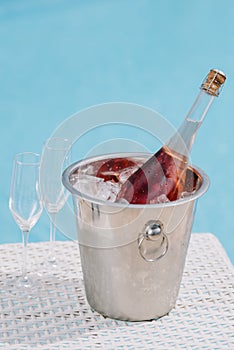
x=68, y=171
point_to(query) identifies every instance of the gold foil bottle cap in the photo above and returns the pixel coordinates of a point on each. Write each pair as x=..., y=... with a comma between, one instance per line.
x=213, y=82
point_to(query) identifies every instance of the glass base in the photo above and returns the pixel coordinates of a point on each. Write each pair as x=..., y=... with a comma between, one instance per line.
x=50, y=264
x=26, y=286
x=48, y=269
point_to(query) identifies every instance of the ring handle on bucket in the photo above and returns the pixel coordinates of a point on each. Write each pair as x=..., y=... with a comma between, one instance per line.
x=153, y=230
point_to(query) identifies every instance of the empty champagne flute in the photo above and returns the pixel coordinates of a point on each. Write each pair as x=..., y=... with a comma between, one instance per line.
x=26, y=207
x=56, y=156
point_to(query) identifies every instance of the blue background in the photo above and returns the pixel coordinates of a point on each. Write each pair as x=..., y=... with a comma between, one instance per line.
x=58, y=57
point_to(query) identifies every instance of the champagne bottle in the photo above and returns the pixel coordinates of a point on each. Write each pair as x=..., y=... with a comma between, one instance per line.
x=162, y=177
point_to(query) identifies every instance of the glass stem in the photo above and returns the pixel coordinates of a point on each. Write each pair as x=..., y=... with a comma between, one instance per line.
x=52, y=237
x=25, y=235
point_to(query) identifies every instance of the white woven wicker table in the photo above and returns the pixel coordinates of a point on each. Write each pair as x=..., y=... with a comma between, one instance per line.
x=60, y=318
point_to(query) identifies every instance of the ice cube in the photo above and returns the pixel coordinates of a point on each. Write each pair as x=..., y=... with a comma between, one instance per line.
x=186, y=194
x=160, y=199
x=122, y=201
x=87, y=184
x=97, y=188
x=108, y=191
x=89, y=170
x=126, y=173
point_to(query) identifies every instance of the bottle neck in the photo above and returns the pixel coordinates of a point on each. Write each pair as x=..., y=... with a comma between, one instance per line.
x=182, y=141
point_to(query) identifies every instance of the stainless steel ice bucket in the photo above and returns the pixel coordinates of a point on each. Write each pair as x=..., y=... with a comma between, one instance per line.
x=133, y=256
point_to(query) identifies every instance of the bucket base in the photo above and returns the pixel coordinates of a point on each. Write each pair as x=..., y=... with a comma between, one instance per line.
x=130, y=319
